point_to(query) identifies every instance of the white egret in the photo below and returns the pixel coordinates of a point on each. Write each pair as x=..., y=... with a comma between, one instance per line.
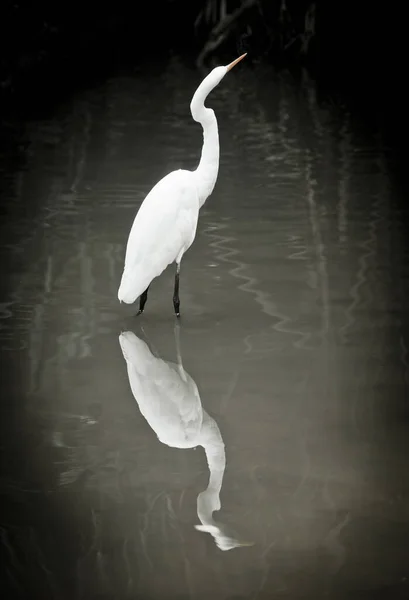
x=169, y=400
x=165, y=225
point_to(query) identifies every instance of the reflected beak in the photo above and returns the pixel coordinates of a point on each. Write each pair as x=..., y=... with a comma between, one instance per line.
x=234, y=63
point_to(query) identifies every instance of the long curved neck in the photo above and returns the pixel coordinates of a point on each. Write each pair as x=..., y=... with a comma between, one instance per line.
x=208, y=168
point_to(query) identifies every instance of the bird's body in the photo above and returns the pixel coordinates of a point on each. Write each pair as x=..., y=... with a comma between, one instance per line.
x=165, y=225
x=163, y=229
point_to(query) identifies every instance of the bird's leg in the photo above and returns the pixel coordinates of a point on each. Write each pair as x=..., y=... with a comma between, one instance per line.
x=176, y=301
x=142, y=301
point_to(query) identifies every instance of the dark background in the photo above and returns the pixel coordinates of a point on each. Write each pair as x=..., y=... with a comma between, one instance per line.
x=357, y=48
x=357, y=55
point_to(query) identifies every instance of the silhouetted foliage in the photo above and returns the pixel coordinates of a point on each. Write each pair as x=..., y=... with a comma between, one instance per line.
x=45, y=33
x=59, y=40
x=279, y=29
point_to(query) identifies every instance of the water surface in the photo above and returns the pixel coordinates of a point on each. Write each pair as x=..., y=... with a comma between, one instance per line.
x=293, y=337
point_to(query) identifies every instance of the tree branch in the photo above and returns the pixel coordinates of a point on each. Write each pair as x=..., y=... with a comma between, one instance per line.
x=220, y=31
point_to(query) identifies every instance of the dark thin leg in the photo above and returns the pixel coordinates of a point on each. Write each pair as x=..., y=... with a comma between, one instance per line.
x=142, y=301
x=176, y=301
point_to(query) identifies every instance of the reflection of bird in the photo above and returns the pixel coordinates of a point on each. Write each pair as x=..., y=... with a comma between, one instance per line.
x=165, y=225
x=169, y=400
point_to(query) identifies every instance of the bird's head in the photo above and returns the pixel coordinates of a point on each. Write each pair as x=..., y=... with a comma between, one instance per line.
x=208, y=84
x=218, y=73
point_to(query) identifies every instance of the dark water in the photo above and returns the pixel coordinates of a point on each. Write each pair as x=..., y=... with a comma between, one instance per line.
x=294, y=330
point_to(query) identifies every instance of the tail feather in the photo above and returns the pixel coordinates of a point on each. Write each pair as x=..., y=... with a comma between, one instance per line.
x=132, y=286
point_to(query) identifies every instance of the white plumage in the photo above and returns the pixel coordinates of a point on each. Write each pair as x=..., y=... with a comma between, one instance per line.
x=167, y=396
x=163, y=229
x=165, y=225
x=169, y=400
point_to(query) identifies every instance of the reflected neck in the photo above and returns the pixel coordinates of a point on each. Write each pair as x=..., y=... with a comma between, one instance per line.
x=212, y=442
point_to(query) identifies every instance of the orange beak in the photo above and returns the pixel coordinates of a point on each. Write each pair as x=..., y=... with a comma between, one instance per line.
x=234, y=63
